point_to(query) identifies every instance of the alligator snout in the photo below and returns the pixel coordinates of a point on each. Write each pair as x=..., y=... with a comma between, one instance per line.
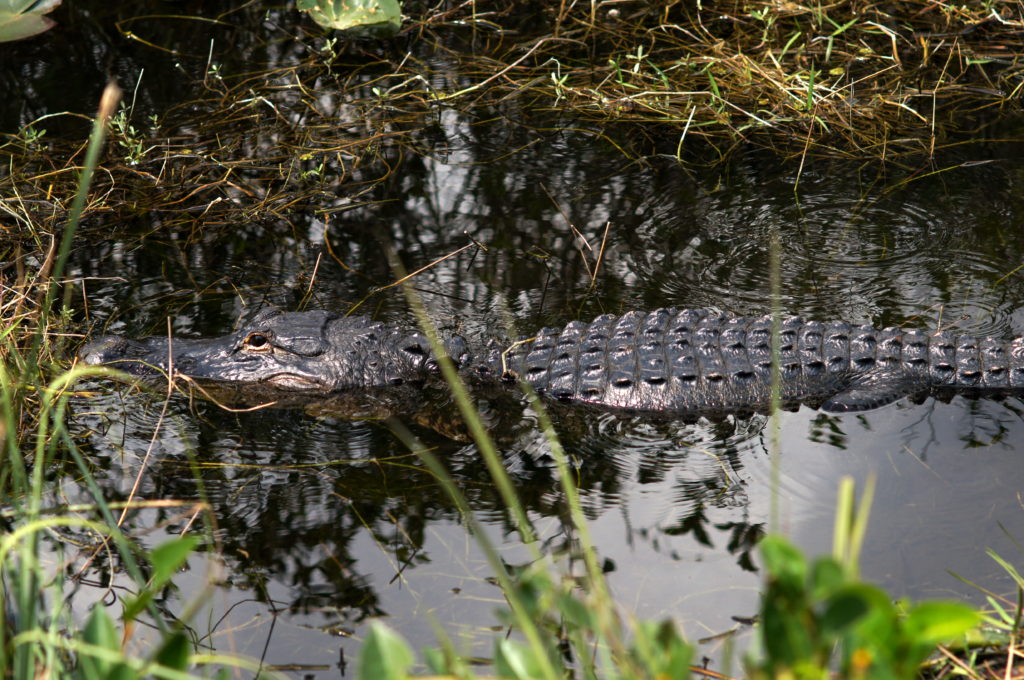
x=103, y=350
x=138, y=357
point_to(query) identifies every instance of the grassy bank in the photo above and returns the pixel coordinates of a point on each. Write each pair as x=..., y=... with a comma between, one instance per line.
x=853, y=79
x=894, y=85
x=47, y=546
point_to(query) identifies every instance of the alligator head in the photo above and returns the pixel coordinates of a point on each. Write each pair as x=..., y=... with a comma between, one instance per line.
x=295, y=351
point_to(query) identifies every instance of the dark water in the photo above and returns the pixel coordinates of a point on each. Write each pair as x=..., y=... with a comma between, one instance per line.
x=323, y=524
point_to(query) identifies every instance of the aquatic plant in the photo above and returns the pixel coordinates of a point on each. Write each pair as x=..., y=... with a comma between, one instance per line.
x=357, y=17
x=25, y=18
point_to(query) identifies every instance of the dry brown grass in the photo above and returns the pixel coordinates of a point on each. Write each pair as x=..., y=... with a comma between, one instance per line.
x=849, y=78
x=855, y=79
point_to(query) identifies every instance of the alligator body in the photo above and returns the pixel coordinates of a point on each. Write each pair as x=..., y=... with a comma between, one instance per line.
x=668, y=362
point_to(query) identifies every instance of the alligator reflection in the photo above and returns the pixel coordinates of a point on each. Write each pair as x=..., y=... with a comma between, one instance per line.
x=293, y=494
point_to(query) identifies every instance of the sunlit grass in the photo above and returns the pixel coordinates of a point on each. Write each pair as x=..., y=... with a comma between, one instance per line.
x=43, y=636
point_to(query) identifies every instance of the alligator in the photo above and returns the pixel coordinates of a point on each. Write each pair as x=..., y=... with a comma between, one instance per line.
x=676, y=363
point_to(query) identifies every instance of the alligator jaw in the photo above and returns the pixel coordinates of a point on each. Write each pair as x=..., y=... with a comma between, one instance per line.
x=214, y=360
x=293, y=382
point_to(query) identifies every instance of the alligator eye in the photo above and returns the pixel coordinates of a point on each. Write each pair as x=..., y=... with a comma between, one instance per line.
x=257, y=342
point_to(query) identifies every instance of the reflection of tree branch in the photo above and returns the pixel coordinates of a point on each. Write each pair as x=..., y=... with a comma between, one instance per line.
x=924, y=421
x=985, y=424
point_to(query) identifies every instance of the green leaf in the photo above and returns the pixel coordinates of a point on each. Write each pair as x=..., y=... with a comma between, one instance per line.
x=515, y=660
x=785, y=635
x=175, y=652
x=842, y=610
x=784, y=562
x=436, y=661
x=384, y=656
x=827, y=576
x=166, y=559
x=99, y=631
x=575, y=613
x=369, y=17
x=1010, y=569
x=24, y=18
x=933, y=622
x=663, y=652
x=879, y=628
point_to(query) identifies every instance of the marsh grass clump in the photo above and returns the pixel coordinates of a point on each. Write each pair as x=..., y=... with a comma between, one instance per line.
x=851, y=78
x=325, y=121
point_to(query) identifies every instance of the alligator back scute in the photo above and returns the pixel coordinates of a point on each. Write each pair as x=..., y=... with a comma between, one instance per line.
x=677, y=362
x=889, y=347
x=942, y=359
x=835, y=347
x=695, y=361
x=968, y=366
x=1016, y=361
x=994, y=364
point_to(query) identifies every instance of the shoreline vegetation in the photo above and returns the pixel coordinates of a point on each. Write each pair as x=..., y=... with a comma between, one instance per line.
x=896, y=84
x=856, y=80
x=899, y=87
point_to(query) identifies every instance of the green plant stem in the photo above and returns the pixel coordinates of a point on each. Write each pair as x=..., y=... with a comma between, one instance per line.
x=519, y=609
x=498, y=474
x=28, y=580
x=608, y=621
x=471, y=418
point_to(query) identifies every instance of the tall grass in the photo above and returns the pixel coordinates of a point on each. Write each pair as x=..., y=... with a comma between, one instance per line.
x=43, y=636
x=24, y=390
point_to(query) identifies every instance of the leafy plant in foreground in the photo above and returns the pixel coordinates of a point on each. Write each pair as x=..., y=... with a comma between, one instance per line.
x=817, y=616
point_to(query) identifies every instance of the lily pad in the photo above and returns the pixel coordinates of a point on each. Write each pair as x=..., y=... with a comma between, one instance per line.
x=360, y=17
x=24, y=18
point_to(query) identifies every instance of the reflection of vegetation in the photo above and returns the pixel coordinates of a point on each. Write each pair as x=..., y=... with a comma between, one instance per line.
x=827, y=428
x=311, y=540
x=743, y=537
